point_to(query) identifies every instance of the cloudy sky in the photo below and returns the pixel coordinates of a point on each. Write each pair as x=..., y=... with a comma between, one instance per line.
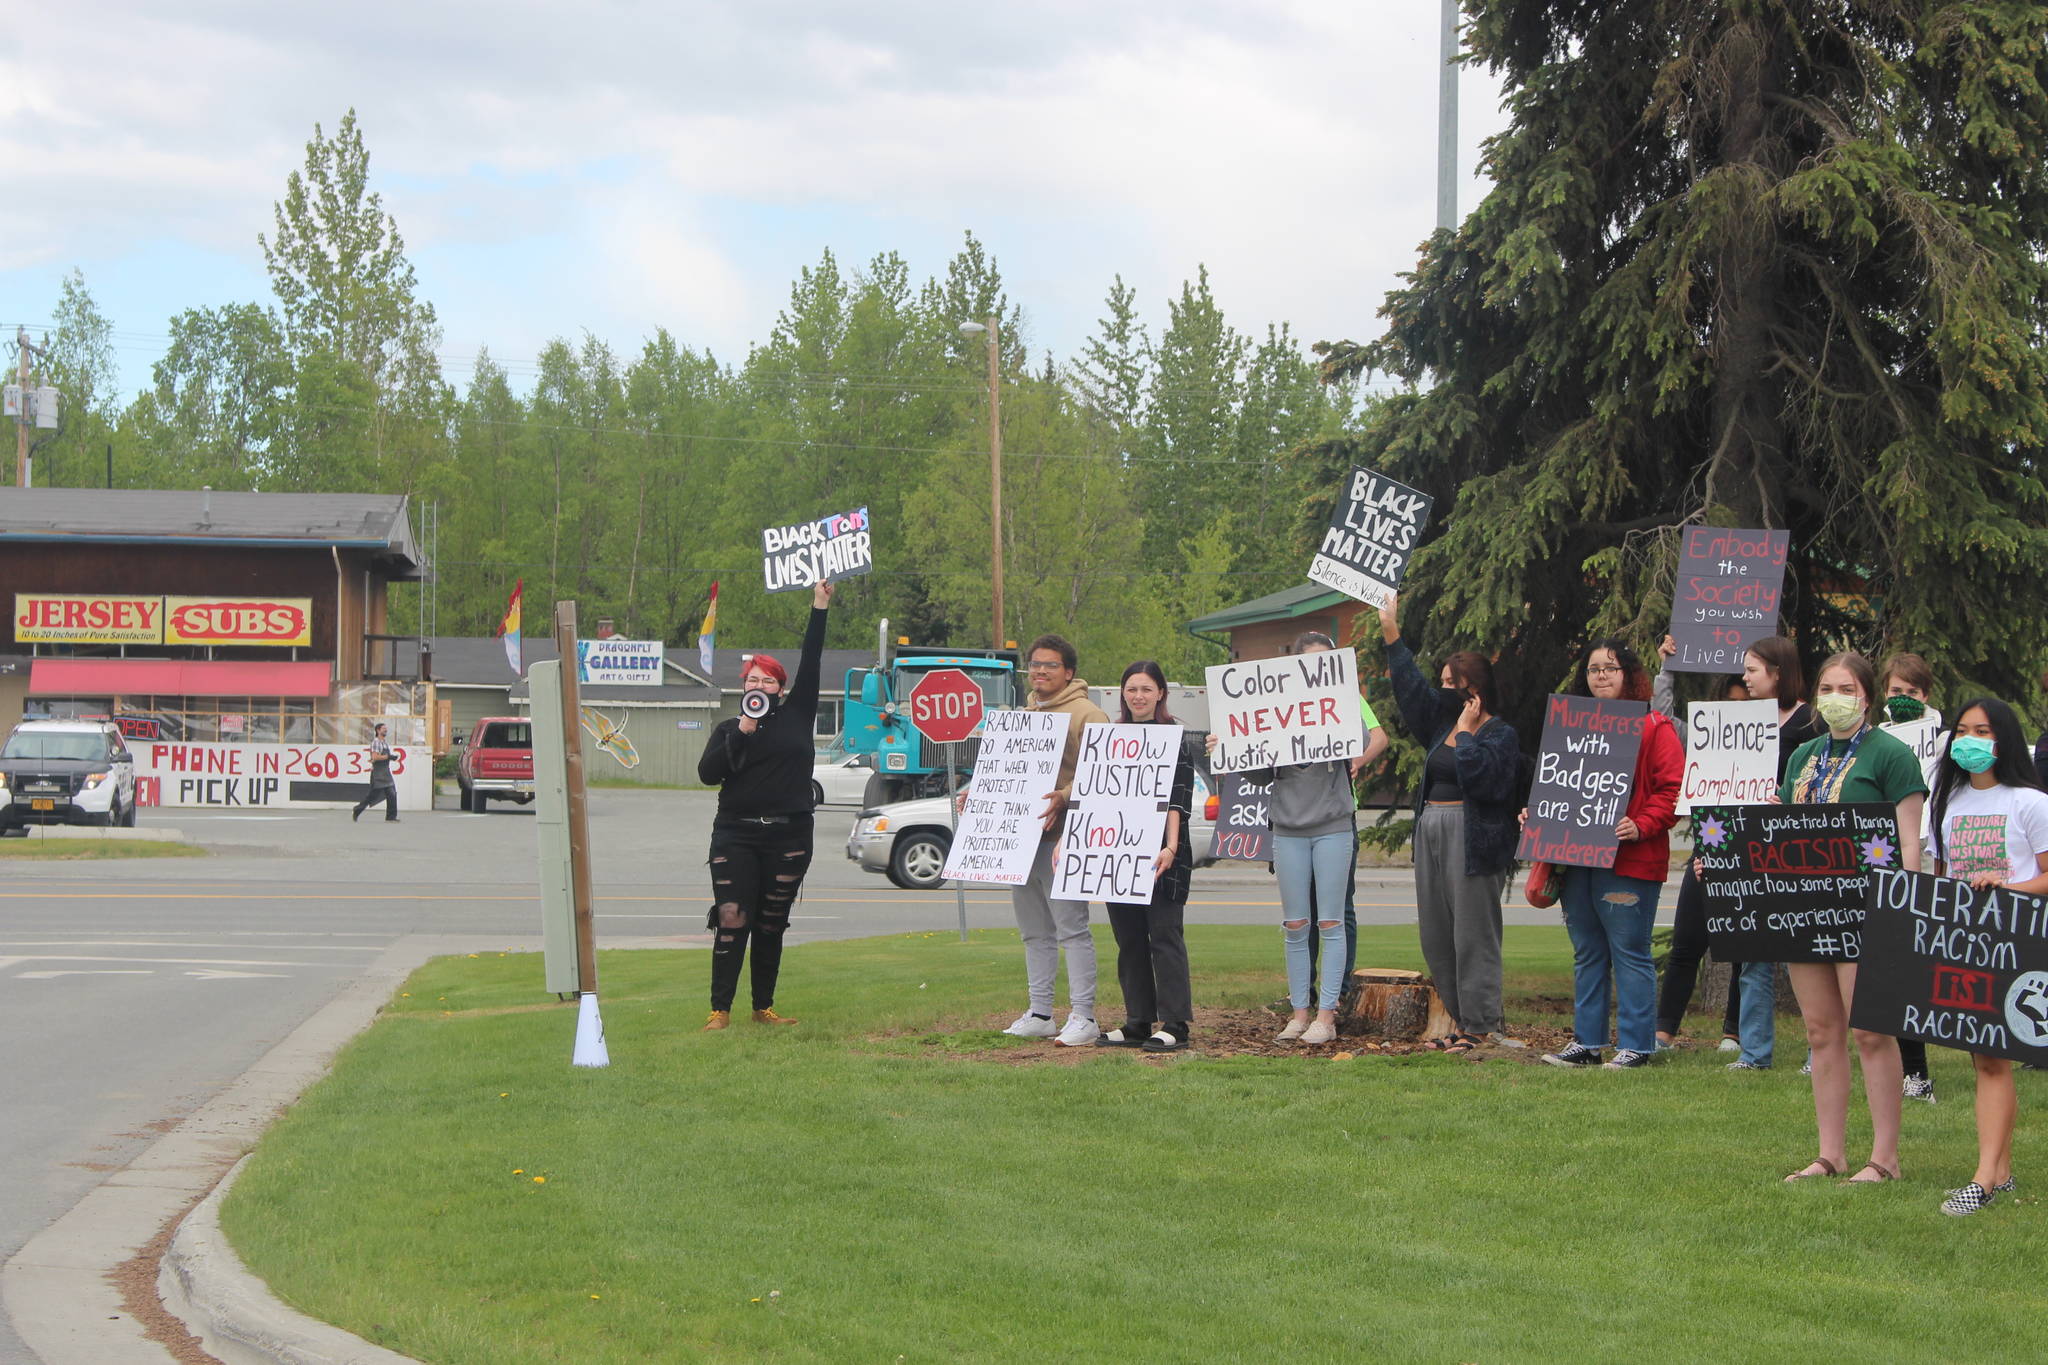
x=616, y=167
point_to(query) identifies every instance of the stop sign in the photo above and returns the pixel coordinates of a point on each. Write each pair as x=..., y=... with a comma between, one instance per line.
x=945, y=706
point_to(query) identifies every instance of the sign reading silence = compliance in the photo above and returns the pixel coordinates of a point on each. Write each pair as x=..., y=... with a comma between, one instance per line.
x=69, y=618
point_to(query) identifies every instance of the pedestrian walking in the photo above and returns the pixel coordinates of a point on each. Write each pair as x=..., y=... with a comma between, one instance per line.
x=382, y=788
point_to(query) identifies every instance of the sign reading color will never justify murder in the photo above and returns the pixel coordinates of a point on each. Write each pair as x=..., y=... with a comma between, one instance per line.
x=1950, y=963
x=821, y=551
x=1789, y=883
x=1372, y=535
x=1276, y=713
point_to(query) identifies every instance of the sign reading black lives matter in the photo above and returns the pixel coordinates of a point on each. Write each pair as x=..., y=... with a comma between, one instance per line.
x=821, y=551
x=1372, y=535
x=1243, y=830
x=1789, y=883
x=1116, y=817
x=1583, y=775
x=1949, y=963
x=1726, y=597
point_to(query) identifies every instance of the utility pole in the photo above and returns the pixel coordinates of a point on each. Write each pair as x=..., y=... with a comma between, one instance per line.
x=995, y=473
x=21, y=350
x=1447, y=122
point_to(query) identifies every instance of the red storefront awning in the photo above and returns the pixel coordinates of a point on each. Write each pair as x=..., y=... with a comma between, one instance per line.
x=177, y=678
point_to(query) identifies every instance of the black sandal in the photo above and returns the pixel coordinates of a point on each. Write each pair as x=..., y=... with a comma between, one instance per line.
x=1461, y=1042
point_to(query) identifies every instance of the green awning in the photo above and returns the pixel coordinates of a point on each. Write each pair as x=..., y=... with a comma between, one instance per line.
x=1277, y=606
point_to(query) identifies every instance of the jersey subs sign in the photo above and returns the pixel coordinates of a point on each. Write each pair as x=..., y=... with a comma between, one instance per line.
x=63, y=618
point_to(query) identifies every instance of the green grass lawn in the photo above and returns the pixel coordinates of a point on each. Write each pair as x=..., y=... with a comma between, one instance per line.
x=71, y=850
x=894, y=1181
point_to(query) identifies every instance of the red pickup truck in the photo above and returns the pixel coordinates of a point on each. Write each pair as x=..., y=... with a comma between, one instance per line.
x=496, y=762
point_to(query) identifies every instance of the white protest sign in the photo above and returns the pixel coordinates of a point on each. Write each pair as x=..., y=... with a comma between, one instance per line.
x=998, y=829
x=1372, y=535
x=1731, y=754
x=1116, y=820
x=1924, y=738
x=811, y=552
x=1276, y=713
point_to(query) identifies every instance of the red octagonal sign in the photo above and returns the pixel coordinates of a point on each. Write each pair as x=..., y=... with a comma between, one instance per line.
x=945, y=706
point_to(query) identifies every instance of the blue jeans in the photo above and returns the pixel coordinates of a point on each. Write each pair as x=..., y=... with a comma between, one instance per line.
x=1609, y=917
x=1758, y=1028
x=1312, y=871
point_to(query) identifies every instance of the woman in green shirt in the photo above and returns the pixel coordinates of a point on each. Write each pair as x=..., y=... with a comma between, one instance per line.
x=1854, y=761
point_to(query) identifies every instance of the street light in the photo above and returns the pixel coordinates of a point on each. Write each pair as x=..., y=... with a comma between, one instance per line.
x=995, y=463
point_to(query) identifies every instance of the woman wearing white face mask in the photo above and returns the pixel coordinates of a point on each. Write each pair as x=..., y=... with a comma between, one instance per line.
x=1853, y=762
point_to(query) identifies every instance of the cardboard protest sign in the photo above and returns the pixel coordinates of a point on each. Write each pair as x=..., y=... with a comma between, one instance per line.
x=1116, y=817
x=998, y=829
x=821, y=551
x=1275, y=713
x=1372, y=535
x=1726, y=597
x=1948, y=963
x=1242, y=832
x=1583, y=776
x=1731, y=754
x=1789, y=883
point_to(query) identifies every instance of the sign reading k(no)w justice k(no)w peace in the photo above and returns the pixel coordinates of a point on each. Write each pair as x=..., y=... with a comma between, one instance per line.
x=813, y=552
x=1372, y=535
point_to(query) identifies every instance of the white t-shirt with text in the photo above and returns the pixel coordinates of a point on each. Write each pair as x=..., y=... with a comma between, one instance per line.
x=1993, y=829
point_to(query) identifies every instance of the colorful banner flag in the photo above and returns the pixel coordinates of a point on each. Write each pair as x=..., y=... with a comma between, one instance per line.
x=509, y=628
x=708, y=635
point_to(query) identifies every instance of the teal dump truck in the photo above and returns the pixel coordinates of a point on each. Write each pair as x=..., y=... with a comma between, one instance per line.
x=878, y=724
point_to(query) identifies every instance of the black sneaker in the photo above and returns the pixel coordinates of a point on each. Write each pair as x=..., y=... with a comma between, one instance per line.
x=1574, y=1054
x=1625, y=1059
x=1918, y=1087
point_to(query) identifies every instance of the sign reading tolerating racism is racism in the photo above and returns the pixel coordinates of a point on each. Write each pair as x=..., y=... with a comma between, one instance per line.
x=1116, y=819
x=1276, y=713
x=1950, y=963
x=999, y=826
x=1789, y=883
x=813, y=552
x=1243, y=829
x=1731, y=754
x=1372, y=535
x=1583, y=774
x=1726, y=597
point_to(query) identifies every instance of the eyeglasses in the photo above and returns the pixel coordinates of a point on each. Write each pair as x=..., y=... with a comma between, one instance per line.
x=1592, y=669
x=1042, y=666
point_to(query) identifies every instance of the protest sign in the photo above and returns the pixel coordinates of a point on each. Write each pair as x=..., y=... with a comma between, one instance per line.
x=1372, y=535
x=998, y=829
x=1276, y=713
x=613, y=662
x=1789, y=883
x=821, y=551
x=1242, y=832
x=1949, y=963
x=1116, y=818
x=1583, y=775
x=1731, y=754
x=1726, y=597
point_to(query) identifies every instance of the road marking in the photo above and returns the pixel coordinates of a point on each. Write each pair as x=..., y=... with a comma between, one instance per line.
x=171, y=961
x=82, y=971
x=152, y=943
x=209, y=974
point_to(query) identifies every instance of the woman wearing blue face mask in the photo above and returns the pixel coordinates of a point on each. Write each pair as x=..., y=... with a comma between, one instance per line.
x=1989, y=827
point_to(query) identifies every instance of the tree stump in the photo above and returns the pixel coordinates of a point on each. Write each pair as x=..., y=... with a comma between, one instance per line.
x=1394, y=1004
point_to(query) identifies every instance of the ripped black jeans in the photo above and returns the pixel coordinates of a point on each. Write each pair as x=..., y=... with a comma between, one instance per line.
x=756, y=871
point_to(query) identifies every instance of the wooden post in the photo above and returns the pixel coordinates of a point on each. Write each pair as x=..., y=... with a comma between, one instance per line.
x=579, y=801
x=995, y=476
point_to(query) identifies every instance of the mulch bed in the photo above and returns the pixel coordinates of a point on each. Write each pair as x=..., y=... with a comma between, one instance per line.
x=1251, y=1033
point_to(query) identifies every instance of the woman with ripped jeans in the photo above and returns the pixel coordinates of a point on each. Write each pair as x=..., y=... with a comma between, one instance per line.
x=761, y=839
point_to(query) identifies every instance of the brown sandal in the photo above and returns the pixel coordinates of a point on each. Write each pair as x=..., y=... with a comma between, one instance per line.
x=1827, y=1169
x=1883, y=1175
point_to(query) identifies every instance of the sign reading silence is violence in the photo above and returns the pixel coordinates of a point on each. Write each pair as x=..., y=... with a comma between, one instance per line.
x=1952, y=963
x=1583, y=775
x=1726, y=597
x=1790, y=883
x=1276, y=713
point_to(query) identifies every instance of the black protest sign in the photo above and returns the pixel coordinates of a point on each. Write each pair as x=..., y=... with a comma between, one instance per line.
x=1726, y=597
x=1950, y=963
x=1789, y=883
x=1373, y=531
x=813, y=552
x=1583, y=776
x=1243, y=831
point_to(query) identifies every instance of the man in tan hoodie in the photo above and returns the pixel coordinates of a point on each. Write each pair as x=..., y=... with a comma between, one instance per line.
x=1048, y=926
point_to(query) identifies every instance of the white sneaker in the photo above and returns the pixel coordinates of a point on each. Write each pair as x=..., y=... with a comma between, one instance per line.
x=1081, y=1031
x=1029, y=1025
x=1319, y=1032
x=1295, y=1028
x=1728, y=1045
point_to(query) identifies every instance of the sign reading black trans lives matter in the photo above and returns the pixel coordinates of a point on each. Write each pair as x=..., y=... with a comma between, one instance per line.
x=1372, y=535
x=1726, y=597
x=821, y=551
x=1947, y=962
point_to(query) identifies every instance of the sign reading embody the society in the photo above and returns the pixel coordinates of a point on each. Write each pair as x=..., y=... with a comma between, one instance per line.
x=1276, y=713
x=1947, y=962
x=1731, y=754
x=1789, y=883
x=821, y=551
x=1583, y=775
x=1726, y=597
x=1116, y=816
x=1243, y=822
x=1372, y=535
x=998, y=829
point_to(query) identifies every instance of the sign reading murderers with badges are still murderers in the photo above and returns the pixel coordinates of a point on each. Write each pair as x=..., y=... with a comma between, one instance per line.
x=613, y=662
x=1275, y=713
x=813, y=552
x=1726, y=597
x=1789, y=883
x=1583, y=775
x=1950, y=963
x=1373, y=531
x=1243, y=831
x=1731, y=754
x=999, y=826
x=1116, y=819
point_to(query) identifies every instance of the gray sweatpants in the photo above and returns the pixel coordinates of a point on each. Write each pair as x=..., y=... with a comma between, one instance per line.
x=1049, y=926
x=1460, y=920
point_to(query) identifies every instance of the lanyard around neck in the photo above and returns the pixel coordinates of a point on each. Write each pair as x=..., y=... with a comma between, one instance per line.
x=1825, y=766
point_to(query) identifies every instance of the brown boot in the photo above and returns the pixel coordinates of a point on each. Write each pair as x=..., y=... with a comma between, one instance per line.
x=770, y=1017
x=719, y=1019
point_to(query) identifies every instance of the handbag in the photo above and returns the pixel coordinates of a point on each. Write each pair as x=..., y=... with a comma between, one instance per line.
x=1541, y=889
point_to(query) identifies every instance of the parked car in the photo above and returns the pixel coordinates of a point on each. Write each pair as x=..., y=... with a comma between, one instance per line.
x=65, y=772
x=907, y=840
x=839, y=778
x=496, y=763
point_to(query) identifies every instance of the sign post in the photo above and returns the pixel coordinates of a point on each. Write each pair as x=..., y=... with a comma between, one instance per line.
x=946, y=707
x=590, y=1048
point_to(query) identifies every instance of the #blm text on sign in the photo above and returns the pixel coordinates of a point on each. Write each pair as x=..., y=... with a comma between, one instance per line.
x=1116, y=820
x=1789, y=883
x=1583, y=777
x=1726, y=597
x=1243, y=830
x=998, y=831
x=1276, y=713
x=1372, y=535
x=1949, y=963
x=813, y=552
x=1731, y=754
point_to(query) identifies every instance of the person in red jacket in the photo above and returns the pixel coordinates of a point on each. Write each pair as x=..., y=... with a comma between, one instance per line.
x=1609, y=911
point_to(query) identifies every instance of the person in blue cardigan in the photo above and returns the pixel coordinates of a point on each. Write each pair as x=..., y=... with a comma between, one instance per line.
x=1464, y=828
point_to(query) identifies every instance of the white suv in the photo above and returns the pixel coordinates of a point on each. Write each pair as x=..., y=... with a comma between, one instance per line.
x=65, y=772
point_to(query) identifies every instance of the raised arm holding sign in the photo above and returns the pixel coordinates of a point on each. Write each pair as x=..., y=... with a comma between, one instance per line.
x=821, y=551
